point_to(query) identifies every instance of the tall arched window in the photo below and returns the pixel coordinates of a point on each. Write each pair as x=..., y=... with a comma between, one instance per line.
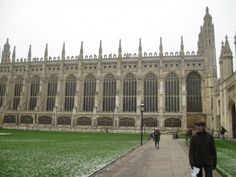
x=52, y=92
x=3, y=82
x=150, y=93
x=172, y=93
x=89, y=92
x=109, y=93
x=129, y=93
x=194, y=99
x=17, y=92
x=34, y=90
x=70, y=93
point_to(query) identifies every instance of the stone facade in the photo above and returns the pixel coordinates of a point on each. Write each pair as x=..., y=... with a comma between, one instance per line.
x=225, y=92
x=105, y=91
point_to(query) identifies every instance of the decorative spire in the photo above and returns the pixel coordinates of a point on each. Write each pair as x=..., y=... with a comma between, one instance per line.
x=29, y=54
x=140, y=48
x=222, y=49
x=63, y=53
x=14, y=54
x=226, y=60
x=6, y=52
x=226, y=39
x=46, y=53
x=207, y=15
x=100, y=49
x=222, y=44
x=207, y=10
x=81, y=53
x=160, y=48
x=7, y=45
x=120, y=49
x=235, y=39
x=235, y=43
x=227, y=50
x=182, y=45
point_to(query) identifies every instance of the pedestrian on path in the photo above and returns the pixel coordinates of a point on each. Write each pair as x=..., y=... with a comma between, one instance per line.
x=189, y=134
x=222, y=132
x=151, y=136
x=202, y=151
x=157, y=135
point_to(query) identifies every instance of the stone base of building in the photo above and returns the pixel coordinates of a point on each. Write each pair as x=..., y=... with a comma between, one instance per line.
x=102, y=122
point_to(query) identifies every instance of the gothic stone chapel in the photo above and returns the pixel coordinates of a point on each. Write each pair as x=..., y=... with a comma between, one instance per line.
x=90, y=93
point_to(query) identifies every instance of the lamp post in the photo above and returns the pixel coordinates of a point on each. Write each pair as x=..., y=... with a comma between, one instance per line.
x=18, y=116
x=27, y=123
x=141, y=110
x=73, y=118
x=36, y=116
x=55, y=118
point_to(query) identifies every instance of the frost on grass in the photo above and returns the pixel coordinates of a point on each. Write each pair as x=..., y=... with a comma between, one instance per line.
x=227, y=163
x=77, y=156
x=226, y=152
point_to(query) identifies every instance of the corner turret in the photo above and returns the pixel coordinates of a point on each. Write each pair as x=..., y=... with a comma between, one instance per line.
x=226, y=60
x=6, y=52
x=206, y=44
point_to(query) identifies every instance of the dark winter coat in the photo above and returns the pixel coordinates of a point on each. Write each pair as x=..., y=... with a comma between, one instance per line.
x=222, y=131
x=157, y=135
x=202, y=150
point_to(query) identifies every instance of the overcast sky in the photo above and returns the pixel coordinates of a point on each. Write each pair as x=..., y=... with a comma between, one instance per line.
x=38, y=22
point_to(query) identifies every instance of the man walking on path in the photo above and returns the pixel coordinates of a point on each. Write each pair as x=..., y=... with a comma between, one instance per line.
x=157, y=135
x=202, y=151
x=222, y=132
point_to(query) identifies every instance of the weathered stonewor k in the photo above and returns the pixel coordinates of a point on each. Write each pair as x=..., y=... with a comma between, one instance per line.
x=101, y=92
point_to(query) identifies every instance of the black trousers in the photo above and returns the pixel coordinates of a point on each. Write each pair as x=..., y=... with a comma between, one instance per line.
x=207, y=169
x=157, y=143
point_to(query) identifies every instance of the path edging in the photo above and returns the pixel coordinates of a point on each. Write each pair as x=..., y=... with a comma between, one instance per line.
x=115, y=160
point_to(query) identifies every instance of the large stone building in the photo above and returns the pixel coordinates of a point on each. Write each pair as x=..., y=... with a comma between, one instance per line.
x=106, y=91
x=225, y=92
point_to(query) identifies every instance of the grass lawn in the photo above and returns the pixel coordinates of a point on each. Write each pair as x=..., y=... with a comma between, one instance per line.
x=182, y=135
x=226, y=151
x=37, y=153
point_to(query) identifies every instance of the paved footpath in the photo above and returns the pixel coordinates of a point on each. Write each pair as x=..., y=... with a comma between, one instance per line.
x=169, y=161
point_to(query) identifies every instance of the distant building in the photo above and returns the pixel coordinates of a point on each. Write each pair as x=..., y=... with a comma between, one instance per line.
x=105, y=91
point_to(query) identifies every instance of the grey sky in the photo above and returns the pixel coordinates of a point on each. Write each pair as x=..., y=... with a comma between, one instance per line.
x=38, y=22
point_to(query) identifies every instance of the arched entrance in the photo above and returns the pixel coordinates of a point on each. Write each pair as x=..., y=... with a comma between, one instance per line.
x=233, y=114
